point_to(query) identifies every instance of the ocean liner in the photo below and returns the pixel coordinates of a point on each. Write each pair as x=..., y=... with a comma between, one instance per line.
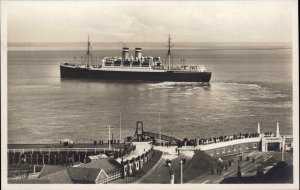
x=137, y=67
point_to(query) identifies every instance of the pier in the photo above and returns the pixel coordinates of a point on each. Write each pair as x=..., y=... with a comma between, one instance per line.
x=215, y=147
x=224, y=145
x=140, y=152
x=54, y=153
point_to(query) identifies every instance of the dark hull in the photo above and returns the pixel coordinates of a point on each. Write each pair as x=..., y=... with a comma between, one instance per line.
x=82, y=73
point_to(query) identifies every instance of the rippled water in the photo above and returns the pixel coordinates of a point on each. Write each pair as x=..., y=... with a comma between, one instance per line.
x=247, y=87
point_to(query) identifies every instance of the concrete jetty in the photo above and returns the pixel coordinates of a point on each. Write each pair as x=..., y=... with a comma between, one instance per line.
x=140, y=149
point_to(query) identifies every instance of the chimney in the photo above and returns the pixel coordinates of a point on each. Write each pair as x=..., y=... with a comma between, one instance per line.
x=258, y=128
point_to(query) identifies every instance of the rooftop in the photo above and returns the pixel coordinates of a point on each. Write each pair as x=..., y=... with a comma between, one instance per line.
x=60, y=177
x=83, y=175
x=50, y=169
x=107, y=164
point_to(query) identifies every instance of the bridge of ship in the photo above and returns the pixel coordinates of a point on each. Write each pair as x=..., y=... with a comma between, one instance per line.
x=140, y=133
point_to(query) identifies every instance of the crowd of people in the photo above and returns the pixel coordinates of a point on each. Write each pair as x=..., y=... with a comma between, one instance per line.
x=189, y=142
x=211, y=140
x=112, y=141
x=268, y=134
x=223, y=165
x=227, y=138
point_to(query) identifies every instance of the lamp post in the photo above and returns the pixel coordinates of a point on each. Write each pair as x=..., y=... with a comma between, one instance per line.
x=159, y=126
x=181, y=172
x=120, y=127
x=282, y=149
x=109, y=137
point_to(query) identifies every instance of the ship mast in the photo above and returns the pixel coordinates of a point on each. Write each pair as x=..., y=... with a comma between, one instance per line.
x=88, y=51
x=169, y=52
x=88, y=56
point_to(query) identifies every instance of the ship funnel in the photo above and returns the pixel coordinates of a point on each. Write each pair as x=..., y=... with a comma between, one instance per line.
x=138, y=53
x=125, y=53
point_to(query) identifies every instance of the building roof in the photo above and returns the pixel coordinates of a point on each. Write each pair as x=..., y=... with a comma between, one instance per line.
x=107, y=164
x=60, y=177
x=49, y=169
x=280, y=173
x=87, y=175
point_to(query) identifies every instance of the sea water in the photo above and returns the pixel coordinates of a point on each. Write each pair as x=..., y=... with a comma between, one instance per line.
x=247, y=86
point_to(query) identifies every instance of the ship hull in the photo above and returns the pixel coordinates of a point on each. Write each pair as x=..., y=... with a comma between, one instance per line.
x=176, y=76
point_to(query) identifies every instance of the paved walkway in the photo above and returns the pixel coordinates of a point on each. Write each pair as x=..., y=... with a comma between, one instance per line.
x=148, y=175
x=141, y=148
x=171, y=153
x=232, y=171
x=159, y=174
x=147, y=169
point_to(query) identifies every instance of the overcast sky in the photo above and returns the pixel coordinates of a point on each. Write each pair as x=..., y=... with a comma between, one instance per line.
x=193, y=21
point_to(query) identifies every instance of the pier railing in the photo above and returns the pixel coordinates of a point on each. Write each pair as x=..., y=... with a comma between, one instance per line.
x=229, y=143
x=61, y=150
x=163, y=137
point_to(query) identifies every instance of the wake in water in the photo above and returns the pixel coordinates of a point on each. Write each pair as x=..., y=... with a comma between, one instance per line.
x=253, y=91
x=250, y=84
x=179, y=84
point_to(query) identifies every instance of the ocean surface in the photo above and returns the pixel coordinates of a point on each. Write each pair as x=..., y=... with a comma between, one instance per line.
x=247, y=86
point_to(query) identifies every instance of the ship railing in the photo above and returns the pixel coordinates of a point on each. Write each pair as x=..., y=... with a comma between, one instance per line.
x=73, y=65
x=201, y=68
x=190, y=67
x=127, y=66
x=68, y=64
